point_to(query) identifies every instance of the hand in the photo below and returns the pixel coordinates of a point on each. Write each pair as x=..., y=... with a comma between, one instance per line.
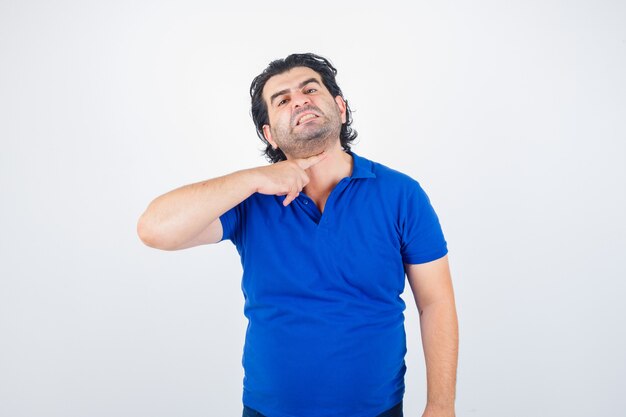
x=286, y=177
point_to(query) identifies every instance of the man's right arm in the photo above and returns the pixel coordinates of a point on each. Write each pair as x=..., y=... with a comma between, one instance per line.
x=189, y=216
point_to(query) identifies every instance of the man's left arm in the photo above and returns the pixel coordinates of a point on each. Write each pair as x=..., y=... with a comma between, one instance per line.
x=431, y=284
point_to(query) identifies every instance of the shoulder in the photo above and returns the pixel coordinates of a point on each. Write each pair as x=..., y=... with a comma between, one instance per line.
x=391, y=178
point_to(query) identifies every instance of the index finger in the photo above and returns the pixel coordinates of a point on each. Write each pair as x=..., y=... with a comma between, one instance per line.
x=305, y=163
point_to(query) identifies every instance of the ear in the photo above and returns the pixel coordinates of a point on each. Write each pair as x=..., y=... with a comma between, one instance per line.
x=268, y=136
x=342, y=107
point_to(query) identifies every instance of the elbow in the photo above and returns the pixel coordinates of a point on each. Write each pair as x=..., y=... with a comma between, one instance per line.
x=149, y=234
x=145, y=232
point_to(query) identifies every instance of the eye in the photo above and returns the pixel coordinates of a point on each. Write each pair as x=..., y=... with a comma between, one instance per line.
x=283, y=101
x=311, y=90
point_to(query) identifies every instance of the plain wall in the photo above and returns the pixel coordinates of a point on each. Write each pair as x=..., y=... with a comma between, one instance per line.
x=512, y=115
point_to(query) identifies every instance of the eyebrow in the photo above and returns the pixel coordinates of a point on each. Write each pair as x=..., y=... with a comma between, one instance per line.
x=302, y=84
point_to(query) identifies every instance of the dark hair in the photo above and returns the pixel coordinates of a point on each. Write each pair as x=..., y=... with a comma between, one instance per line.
x=259, y=108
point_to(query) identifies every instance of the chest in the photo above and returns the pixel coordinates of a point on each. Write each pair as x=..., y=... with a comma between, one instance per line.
x=353, y=247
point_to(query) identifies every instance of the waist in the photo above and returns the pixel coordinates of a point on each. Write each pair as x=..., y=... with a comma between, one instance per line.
x=330, y=371
x=395, y=411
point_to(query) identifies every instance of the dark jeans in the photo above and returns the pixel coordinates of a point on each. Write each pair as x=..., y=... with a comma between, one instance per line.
x=395, y=411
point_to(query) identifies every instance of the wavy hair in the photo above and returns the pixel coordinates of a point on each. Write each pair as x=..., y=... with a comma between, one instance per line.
x=259, y=108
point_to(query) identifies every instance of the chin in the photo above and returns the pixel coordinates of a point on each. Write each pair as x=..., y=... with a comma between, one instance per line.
x=312, y=145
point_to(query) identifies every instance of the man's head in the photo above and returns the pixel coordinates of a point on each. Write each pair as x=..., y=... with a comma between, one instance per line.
x=291, y=88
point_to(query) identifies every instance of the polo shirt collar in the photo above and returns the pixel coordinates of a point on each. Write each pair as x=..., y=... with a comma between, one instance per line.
x=361, y=167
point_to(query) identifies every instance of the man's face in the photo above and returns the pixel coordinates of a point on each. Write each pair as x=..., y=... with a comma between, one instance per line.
x=304, y=118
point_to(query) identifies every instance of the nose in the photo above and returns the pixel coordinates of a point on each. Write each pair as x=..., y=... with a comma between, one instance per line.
x=299, y=99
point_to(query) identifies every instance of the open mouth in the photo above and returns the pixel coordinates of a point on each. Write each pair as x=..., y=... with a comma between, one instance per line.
x=306, y=118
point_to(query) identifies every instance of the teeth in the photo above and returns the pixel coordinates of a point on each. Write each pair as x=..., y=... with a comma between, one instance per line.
x=306, y=117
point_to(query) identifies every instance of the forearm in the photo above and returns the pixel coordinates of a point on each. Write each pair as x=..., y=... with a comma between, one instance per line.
x=439, y=329
x=181, y=214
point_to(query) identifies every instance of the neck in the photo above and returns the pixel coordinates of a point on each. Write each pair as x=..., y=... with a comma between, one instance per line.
x=325, y=175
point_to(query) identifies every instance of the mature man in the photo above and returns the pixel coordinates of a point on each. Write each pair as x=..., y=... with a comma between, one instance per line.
x=325, y=238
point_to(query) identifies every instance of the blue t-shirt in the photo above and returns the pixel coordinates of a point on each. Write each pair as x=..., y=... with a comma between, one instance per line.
x=325, y=332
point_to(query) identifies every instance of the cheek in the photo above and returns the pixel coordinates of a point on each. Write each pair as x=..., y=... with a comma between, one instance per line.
x=282, y=121
x=278, y=131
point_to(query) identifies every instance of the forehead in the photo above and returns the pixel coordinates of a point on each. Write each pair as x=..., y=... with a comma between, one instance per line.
x=289, y=80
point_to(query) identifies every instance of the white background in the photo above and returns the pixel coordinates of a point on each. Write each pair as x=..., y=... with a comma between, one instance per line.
x=511, y=114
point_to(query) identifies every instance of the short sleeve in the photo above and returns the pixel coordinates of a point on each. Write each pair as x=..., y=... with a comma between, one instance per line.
x=231, y=223
x=422, y=238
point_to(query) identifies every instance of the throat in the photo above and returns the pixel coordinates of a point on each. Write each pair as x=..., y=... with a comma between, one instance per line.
x=320, y=201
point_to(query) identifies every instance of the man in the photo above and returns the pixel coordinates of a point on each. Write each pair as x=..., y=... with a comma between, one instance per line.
x=325, y=238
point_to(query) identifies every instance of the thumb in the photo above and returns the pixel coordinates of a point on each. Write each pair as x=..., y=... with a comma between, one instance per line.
x=305, y=163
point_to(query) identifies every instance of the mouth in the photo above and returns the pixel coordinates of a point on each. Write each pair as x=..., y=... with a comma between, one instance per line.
x=306, y=118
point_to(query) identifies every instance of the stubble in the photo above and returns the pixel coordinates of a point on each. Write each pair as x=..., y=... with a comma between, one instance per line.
x=311, y=138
